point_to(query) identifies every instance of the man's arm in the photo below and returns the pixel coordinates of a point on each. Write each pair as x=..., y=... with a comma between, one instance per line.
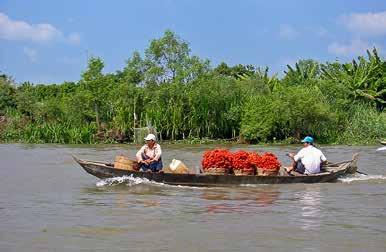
x=298, y=156
x=323, y=158
x=139, y=154
x=158, y=153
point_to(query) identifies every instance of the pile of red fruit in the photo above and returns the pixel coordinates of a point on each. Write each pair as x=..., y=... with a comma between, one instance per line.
x=269, y=161
x=218, y=158
x=240, y=160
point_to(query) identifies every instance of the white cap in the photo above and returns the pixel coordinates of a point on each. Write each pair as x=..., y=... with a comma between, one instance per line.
x=150, y=137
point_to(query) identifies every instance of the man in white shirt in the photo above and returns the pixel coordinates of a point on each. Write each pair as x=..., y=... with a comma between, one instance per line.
x=149, y=156
x=308, y=160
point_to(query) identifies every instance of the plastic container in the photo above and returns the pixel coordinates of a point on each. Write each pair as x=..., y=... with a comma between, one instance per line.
x=177, y=167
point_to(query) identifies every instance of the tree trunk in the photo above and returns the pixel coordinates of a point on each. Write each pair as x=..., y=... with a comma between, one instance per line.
x=297, y=134
x=98, y=123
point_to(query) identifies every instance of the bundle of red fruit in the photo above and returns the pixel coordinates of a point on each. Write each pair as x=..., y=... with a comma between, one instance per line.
x=218, y=161
x=242, y=162
x=268, y=165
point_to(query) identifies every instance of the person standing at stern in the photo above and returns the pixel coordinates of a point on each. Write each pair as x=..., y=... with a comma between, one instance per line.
x=149, y=156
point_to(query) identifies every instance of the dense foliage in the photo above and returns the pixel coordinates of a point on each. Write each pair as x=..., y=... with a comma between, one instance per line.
x=183, y=97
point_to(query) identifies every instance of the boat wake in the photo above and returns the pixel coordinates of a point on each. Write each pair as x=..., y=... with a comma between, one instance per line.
x=381, y=148
x=132, y=181
x=360, y=177
x=128, y=180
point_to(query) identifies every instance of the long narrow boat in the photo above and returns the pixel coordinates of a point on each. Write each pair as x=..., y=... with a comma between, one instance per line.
x=330, y=174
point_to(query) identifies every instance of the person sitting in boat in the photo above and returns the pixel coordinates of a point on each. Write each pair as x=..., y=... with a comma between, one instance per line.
x=308, y=160
x=149, y=156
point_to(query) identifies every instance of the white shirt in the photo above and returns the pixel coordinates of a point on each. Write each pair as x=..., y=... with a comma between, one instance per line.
x=154, y=153
x=311, y=158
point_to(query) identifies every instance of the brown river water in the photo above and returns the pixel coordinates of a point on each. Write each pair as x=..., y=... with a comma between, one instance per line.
x=48, y=203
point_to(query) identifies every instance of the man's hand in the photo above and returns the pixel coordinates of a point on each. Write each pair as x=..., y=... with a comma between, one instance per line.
x=147, y=161
x=291, y=155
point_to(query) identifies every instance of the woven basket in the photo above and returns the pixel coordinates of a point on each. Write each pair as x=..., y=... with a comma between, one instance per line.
x=125, y=163
x=263, y=172
x=241, y=172
x=216, y=171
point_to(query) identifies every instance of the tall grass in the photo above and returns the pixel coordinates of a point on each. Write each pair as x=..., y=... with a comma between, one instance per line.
x=48, y=133
x=58, y=133
x=363, y=125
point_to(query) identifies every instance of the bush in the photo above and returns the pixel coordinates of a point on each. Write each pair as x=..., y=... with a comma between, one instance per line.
x=290, y=112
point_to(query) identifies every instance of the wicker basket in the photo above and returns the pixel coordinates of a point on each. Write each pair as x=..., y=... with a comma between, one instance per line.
x=124, y=163
x=242, y=172
x=216, y=171
x=263, y=172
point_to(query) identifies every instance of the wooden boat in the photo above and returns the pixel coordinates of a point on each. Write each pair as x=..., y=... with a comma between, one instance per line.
x=330, y=173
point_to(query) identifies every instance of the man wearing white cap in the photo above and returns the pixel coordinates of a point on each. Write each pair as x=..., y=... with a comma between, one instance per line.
x=149, y=156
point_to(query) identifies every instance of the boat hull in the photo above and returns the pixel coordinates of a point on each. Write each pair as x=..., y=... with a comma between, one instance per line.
x=105, y=170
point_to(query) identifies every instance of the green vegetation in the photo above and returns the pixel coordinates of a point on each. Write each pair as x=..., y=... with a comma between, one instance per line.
x=185, y=98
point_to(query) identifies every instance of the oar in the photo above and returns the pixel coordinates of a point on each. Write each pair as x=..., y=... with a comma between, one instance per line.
x=361, y=173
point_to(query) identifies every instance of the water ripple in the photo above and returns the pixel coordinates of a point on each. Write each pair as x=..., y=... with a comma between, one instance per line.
x=360, y=177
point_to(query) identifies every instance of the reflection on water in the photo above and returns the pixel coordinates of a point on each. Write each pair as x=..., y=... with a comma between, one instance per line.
x=310, y=209
x=125, y=194
x=240, y=200
x=96, y=230
x=120, y=195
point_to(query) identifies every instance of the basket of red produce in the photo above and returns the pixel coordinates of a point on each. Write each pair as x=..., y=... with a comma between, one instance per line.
x=217, y=162
x=222, y=161
x=267, y=165
x=241, y=163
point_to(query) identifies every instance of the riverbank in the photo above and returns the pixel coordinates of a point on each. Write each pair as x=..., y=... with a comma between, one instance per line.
x=197, y=143
x=207, y=141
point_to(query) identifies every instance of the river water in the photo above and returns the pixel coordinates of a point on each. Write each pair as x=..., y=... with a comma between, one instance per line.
x=47, y=203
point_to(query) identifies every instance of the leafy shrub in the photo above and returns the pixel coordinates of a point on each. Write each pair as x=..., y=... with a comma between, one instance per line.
x=290, y=112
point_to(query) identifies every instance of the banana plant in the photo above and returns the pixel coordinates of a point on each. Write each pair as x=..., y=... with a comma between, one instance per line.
x=303, y=71
x=261, y=75
x=364, y=78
